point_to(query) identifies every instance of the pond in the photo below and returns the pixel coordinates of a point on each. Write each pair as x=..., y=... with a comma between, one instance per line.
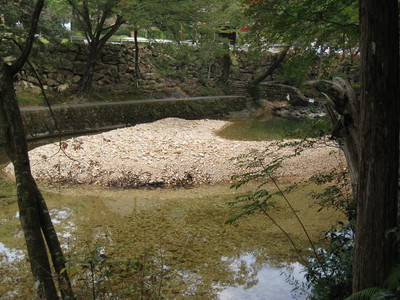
x=265, y=128
x=165, y=243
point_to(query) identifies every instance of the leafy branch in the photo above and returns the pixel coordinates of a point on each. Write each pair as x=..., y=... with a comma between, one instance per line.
x=258, y=169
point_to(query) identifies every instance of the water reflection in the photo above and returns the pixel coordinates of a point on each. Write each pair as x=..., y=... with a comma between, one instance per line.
x=265, y=281
x=62, y=217
x=9, y=255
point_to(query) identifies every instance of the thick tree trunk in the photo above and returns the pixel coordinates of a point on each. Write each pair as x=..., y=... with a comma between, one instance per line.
x=375, y=253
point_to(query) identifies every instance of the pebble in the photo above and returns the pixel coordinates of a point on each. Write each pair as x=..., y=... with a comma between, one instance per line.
x=185, y=152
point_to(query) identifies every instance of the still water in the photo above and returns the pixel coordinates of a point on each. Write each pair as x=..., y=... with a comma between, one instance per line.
x=171, y=244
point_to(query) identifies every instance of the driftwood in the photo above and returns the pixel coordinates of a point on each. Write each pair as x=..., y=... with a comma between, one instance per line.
x=342, y=106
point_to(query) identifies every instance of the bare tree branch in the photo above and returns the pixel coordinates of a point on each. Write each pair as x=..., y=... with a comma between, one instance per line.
x=30, y=38
x=273, y=67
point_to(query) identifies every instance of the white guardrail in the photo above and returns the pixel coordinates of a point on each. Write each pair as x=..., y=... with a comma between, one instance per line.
x=273, y=48
x=124, y=39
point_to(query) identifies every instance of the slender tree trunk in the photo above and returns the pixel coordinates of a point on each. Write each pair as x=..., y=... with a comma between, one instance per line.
x=34, y=214
x=272, y=68
x=54, y=246
x=17, y=151
x=87, y=79
x=137, y=67
x=375, y=253
x=226, y=67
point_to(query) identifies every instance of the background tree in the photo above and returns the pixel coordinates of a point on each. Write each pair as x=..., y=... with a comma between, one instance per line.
x=167, y=16
x=209, y=24
x=138, y=18
x=34, y=214
x=99, y=20
x=177, y=19
x=303, y=25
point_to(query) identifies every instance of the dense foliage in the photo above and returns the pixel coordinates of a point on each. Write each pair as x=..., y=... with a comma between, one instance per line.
x=15, y=18
x=305, y=22
x=322, y=36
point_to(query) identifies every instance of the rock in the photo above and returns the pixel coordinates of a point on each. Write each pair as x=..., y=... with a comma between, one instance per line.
x=63, y=87
x=168, y=152
x=51, y=82
x=76, y=78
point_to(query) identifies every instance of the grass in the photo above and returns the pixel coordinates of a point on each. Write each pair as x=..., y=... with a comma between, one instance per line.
x=30, y=98
x=34, y=99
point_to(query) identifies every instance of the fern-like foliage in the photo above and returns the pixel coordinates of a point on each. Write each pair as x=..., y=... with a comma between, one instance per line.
x=389, y=291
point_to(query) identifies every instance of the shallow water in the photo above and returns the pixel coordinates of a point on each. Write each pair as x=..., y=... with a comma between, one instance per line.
x=164, y=243
x=180, y=234
x=261, y=129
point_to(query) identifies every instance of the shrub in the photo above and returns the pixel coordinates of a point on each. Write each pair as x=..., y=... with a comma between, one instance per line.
x=123, y=31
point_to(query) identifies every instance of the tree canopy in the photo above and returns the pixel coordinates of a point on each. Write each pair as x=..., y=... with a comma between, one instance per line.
x=300, y=23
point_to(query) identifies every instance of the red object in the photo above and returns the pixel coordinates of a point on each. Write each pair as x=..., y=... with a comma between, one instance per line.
x=244, y=28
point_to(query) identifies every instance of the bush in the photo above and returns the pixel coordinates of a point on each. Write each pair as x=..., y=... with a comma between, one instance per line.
x=330, y=277
x=123, y=31
x=295, y=69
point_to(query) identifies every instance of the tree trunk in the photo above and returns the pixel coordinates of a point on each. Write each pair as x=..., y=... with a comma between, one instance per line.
x=53, y=244
x=375, y=253
x=17, y=151
x=272, y=68
x=87, y=80
x=343, y=101
x=34, y=215
x=137, y=68
x=226, y=67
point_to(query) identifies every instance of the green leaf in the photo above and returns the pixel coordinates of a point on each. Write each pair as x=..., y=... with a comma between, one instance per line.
x=365, y=294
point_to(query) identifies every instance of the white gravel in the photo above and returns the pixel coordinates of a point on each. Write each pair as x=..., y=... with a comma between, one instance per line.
x=168, y=152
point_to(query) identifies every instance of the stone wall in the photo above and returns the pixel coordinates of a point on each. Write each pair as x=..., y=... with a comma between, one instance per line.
x=86, y=117
x=62, y=67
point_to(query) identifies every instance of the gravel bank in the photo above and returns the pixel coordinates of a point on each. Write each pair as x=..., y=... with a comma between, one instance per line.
x=168, y=152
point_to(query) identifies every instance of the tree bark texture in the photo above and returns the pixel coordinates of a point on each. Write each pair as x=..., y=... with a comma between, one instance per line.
x=34, y=215
x=375, y=253
x=343, y=109
x=17, y=151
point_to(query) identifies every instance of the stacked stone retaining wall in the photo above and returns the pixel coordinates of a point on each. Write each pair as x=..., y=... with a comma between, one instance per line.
x=62, y=66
